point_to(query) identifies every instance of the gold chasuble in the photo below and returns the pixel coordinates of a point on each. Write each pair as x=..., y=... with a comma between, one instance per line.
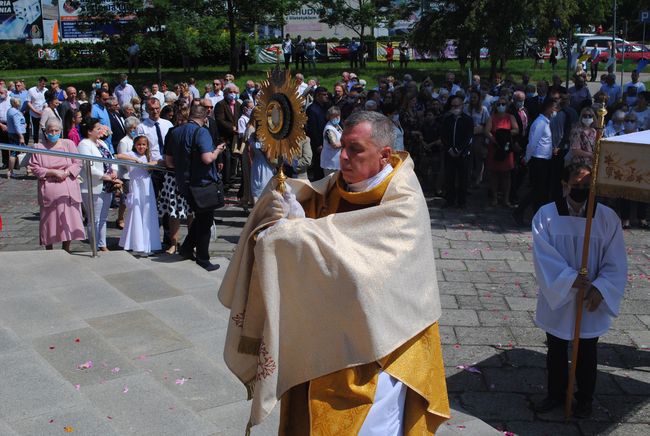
x=338, y=403
x=320, y=305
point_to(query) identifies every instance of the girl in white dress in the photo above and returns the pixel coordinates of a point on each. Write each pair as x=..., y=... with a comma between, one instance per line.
x=141, y=231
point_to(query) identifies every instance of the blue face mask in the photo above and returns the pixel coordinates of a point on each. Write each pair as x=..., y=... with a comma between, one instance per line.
x=231, y=96
x=530, y=94
x=134, y=133
x=98, y=85
x=251, y=90
x=53, y=138
x=124, y=82
x=336, y=121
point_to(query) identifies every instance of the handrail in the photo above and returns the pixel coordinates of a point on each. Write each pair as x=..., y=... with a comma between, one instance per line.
x=80, y=156
x=86, y=159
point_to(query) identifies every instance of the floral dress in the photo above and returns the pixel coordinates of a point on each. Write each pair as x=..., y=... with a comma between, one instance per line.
x=584, y=140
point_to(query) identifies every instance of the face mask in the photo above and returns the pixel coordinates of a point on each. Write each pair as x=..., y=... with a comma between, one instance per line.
x=629, y=125
x=519, y=104
x=579, y=195
x=53, y=138
x=124, y=82
x=587, y=121
x=457, y=111
x=248, y=111
x=336, y=121
x=136, y=107
x=501, y=108
x=134, y=133
x=530, y=94
x=98, y=85
x=230, y=97
x=251, y=90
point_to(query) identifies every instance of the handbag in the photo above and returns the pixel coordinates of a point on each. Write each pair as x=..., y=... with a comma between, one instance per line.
x=208, y=196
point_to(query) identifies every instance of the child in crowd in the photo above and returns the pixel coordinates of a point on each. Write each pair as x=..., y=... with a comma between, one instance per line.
x=140, y=232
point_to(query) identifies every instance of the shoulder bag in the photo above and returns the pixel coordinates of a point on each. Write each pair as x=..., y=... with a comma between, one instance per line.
x=207, y=196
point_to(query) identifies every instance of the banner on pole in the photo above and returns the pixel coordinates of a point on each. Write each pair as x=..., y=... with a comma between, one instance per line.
x=624, y=167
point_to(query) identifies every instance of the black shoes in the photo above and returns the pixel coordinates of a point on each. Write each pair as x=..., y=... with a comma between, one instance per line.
x=207, y=265
x=548, y=404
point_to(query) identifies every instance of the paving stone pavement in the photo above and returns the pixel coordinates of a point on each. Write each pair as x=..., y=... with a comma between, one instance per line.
x=140, y=316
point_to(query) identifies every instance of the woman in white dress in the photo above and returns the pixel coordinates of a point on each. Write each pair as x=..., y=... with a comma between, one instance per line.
x=141, y=231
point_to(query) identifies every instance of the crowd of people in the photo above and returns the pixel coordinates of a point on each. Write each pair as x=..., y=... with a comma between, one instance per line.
x=516, y=135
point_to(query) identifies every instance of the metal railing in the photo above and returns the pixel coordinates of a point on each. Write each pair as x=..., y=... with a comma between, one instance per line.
x=88, y=175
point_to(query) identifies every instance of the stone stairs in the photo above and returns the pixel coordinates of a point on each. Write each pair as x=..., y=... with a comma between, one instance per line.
x=118, y=345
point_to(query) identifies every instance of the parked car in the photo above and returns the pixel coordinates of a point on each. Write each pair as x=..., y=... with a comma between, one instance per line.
x=633, y=52
x=341, y=51
x=600, y=41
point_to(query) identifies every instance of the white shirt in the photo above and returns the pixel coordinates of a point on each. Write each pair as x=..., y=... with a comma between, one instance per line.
x=241, y=124
x=148, y=128
x=301, y=88
x=125, y=145
x=125, y=93
x=540, y=139
x=286, y=46
x=368, y=184
x=330, y=156
x=37, y=99
x=4, y=107
x=214, y=97
x=557, y=255
x=642, y=118
x=195, y=92
x=160, y=97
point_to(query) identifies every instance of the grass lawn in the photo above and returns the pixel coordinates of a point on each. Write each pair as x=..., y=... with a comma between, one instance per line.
x=328, y=73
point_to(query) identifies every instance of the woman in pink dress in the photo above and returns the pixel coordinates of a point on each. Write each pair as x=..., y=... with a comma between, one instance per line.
x=500, y=128
x=59, y=194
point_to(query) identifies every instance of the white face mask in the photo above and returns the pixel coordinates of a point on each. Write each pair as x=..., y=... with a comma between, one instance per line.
x=587, y=121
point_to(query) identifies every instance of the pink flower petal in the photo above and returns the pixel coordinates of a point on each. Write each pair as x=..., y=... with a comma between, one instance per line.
x=85, y=365
x=125, y=390
x=115, y=370
x=181, y=381
x=77, y=387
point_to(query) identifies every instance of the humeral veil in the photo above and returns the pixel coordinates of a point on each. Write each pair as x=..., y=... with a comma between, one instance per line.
x=320, y=305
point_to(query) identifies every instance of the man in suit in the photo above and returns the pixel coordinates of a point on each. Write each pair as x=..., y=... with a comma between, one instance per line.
x=117, y=122
x=227, y=113
x=534, y=104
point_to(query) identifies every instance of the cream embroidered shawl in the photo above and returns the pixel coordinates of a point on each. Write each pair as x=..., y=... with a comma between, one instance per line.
x=318, y=295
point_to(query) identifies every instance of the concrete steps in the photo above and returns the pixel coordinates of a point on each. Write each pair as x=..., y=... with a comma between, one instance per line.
x=154, y=332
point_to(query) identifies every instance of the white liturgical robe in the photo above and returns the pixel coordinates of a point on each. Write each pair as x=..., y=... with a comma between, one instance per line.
x=557, y=255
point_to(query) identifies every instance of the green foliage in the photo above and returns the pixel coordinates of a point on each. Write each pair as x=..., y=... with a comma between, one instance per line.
x=362, y=15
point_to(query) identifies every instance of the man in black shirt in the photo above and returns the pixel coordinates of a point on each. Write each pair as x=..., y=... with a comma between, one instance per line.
x=193, y=154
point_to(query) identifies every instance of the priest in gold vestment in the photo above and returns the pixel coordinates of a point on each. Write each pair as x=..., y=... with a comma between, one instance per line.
x=334, y=299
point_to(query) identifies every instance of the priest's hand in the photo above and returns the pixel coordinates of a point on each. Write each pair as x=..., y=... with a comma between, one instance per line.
x=285, y=205
x=581, y=282
x=593, y=299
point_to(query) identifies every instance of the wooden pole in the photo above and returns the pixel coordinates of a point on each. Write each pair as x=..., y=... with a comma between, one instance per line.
x=591, y=203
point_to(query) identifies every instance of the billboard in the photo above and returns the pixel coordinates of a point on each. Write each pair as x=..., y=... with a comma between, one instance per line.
x=304, y=21
x=21, y=20
x=75, y=25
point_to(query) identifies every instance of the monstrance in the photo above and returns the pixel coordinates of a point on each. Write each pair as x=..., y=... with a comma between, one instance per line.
x=281, y=119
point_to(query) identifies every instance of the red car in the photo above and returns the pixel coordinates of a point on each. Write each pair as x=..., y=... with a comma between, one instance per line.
x=633, y=52
x=342, y=51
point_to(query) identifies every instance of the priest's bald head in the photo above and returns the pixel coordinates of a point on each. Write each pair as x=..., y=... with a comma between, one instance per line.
x=367, y=143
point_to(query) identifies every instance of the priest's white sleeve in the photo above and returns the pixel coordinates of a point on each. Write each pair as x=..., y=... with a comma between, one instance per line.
x=612, y=273
x=555, y=276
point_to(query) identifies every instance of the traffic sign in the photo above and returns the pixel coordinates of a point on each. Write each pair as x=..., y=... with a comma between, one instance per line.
x=645, y=17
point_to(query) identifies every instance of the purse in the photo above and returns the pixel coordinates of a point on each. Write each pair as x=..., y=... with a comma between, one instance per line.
x=209, y=196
